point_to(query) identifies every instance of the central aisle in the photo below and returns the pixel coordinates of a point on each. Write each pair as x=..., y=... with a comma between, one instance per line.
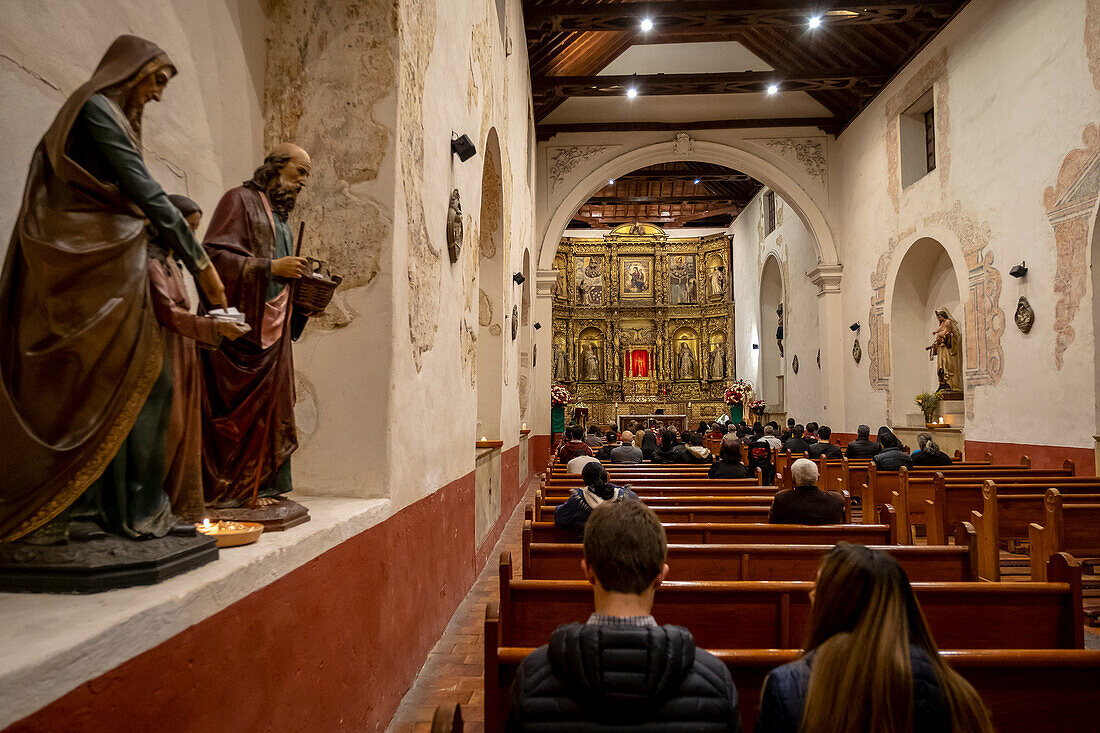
x=454, y=669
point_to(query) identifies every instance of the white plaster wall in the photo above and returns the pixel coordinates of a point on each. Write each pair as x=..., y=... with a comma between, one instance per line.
x=207, y=134
x=1019, y=94
x=471, y=86
x=792, y=246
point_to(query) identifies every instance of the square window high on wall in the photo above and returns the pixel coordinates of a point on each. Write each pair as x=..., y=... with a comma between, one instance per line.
x=918, y=140
x=769, y=212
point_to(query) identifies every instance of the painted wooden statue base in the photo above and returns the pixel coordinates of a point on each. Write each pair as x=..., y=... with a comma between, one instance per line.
x=283, y=514
x=101, y=562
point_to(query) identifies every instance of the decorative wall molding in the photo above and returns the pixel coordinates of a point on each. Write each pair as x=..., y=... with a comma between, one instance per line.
x=826, y=278
x=563, y=160
x=1069, y=205
x=808, y=152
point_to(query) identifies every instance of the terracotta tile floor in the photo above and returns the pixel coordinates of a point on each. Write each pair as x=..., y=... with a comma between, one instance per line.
x=453, y=672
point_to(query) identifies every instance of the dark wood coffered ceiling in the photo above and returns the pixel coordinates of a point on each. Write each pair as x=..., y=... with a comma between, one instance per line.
x=842, y=64
x=668, y=195
x=835, y=70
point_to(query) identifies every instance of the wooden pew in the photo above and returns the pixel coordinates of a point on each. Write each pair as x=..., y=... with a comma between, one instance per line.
x=562, y=561
x=1026, y=691
x=880, y=484
x=1008, y=516
x=954, y=497
x=576, y=482
x=744, y=534
x=1066, y=528
x=774, y=614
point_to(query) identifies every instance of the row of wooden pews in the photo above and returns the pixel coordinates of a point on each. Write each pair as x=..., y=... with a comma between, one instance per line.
x=742, y=586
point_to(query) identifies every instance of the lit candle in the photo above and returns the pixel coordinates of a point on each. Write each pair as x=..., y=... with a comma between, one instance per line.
x=523, y=427
x=483, y=438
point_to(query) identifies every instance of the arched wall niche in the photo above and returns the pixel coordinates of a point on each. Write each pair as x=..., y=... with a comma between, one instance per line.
x=772, y=294
x=926, y=279
x=491, y=316
x=770, y=170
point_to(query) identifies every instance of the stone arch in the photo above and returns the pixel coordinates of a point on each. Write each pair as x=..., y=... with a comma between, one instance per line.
x=490, y=279
x=526, y=354
x=769, y=171
x=773, y=292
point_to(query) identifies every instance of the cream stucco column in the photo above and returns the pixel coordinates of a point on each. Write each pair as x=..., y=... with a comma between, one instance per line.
x=832, y=329
x=542, y=311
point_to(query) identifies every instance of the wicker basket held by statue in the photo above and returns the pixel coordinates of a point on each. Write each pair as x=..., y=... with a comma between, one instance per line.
x=312, y=292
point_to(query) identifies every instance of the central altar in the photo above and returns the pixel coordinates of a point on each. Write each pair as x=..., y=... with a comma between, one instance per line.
x=670, y=421
x=642, y=323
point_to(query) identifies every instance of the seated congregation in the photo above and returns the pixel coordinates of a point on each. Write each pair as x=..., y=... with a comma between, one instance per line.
x=718, y=599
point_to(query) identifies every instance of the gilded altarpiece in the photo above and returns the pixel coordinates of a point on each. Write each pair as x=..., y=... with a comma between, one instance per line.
x=644, y=322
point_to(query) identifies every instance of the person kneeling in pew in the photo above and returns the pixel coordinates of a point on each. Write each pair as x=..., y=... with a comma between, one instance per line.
x=805, y=503
x=620, y=670
x=870, y=662
x=573, y=512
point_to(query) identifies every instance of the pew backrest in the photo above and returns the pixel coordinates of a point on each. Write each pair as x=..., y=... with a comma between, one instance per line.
x=743, y=534
x=1072, y=529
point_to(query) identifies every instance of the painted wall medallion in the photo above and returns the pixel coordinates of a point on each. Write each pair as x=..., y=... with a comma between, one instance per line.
x=1025, y=316
x=454, y=227
x=857, y=351
x=794, y=364
x=515, y=321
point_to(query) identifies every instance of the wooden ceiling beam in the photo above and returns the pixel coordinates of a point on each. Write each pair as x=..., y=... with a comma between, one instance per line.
x=693, y=16
x=738, y=82
x=657, y=200
x=828, y=125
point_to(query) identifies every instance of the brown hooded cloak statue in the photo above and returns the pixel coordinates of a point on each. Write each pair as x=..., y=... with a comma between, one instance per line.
x=80, y=347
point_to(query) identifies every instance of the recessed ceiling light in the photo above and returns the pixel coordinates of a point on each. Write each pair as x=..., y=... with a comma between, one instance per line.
x=815, y=21
x=647, y=24
x=696, y=181
x=611, y=181
x=631, y=92
x=773, y=89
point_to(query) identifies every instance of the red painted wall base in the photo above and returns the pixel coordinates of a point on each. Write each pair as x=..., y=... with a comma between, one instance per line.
x=333, y=645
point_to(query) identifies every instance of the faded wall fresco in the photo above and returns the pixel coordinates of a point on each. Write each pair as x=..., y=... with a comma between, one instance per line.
x=1069, y=205
x=328, y=67
x=418, y=22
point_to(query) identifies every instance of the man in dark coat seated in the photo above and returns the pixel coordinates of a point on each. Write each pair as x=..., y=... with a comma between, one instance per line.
x=805, y=503
x=862, y=446
x=620, y=670
x=823, y=448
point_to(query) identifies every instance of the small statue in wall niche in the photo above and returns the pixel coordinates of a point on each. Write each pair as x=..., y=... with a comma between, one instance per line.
x=1025, y=316
x=561, y=367
x=946, y=350
x=718, y=362
x=718, y=282
x=249, y=431
x=591, y=364
x=685, y=362
x=779, y=329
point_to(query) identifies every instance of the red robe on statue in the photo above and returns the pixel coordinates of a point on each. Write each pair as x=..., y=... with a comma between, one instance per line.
x=248, y=405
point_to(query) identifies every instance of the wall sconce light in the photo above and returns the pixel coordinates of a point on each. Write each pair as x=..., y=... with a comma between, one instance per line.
x=518, y=278
x=1019, y=270
x=854, y=326
x=463, y=147
x=537, y=325
x=756, y=346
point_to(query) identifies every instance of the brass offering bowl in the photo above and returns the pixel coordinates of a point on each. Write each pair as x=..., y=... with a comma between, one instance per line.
x=231, y=534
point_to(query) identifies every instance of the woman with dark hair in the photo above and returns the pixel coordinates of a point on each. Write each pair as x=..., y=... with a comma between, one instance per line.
x=760, y=456
x=729, y=463
x=870, y=662
x=667, y=453
x=703, y=427
x=574, y=511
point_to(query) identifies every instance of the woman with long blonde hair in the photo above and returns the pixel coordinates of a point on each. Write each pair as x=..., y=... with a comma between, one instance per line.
x=870, y=663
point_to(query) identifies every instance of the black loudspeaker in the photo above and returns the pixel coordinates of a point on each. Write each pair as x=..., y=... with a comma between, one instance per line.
x=463, y=147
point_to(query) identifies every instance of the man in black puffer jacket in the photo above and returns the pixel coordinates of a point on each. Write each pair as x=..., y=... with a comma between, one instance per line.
x=621, y=671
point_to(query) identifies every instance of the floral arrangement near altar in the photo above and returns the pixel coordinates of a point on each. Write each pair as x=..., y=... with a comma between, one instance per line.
x=559, y=396
x=757, y=407
x=739, y=393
